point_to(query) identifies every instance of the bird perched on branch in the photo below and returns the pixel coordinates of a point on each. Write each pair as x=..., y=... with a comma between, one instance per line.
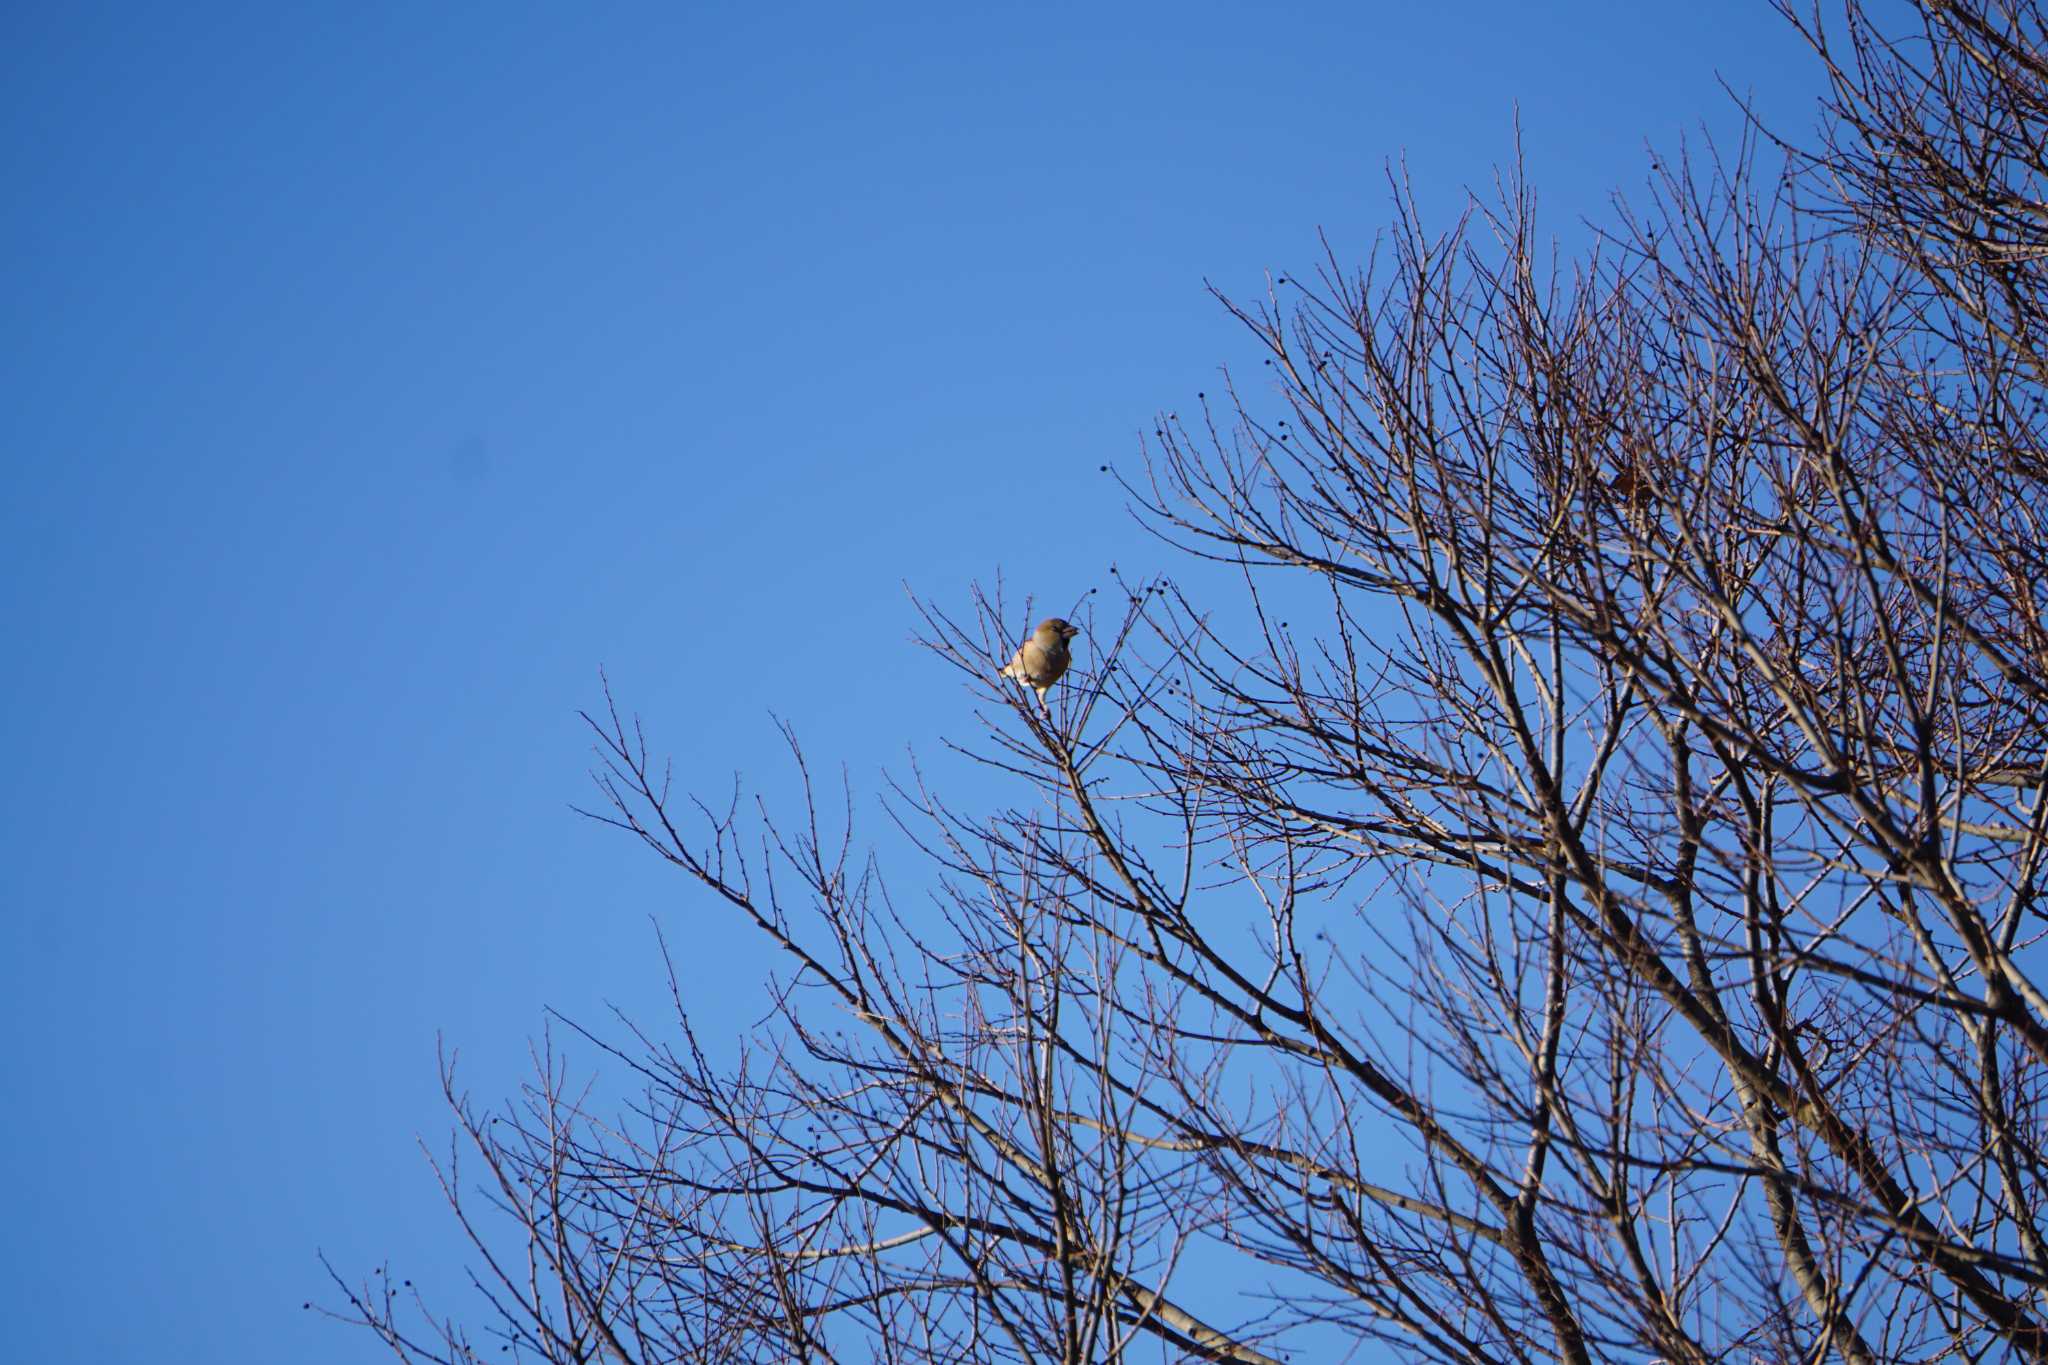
x=1040, y=660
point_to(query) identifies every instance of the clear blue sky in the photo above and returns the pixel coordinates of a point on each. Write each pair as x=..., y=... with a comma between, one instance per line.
x=374, y=373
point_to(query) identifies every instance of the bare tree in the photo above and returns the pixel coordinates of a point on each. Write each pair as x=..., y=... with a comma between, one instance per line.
x=1555, y=878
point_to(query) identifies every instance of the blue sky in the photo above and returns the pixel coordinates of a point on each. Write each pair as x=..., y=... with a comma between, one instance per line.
x=377, y=373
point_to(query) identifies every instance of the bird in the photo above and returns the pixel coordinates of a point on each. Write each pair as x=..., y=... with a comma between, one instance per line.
x=1040, y=660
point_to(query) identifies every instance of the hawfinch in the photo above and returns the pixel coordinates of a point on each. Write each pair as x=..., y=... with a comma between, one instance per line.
x=1040, y=660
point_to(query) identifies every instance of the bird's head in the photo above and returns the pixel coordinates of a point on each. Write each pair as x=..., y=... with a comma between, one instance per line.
x=1053, y=628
